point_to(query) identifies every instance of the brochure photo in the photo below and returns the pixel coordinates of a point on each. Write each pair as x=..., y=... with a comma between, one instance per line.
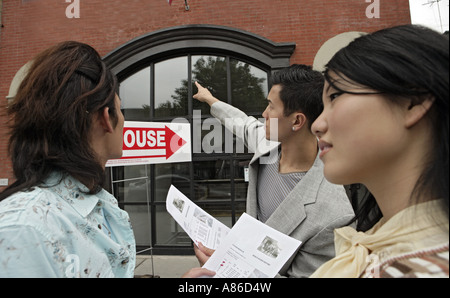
x=252, y=250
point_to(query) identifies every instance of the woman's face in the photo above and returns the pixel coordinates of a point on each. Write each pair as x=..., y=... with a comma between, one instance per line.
x=360, y=136
x=117, y=135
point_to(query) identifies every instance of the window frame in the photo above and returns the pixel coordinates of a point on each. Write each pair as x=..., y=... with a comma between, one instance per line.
x=194, y=40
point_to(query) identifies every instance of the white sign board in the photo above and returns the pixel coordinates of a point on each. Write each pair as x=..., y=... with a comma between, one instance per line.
x=154, y=143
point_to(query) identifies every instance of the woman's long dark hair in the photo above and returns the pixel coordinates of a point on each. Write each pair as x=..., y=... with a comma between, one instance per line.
x=411, y=62
x=51, y=117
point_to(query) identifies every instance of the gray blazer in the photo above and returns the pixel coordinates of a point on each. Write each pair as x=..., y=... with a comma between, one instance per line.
x=310, y=213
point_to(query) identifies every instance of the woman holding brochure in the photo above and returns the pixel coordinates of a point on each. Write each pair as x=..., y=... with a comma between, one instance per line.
x=385, y=124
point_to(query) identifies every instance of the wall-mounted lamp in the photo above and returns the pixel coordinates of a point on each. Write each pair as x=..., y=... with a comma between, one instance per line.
x=186, y=5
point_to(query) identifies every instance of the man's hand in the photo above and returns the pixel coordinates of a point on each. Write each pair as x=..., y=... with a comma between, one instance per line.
x=204, y=95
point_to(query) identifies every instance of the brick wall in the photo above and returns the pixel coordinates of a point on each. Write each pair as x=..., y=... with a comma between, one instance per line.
x=29, y=26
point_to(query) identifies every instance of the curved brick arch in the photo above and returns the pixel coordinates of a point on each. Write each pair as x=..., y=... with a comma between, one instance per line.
x=178, y=40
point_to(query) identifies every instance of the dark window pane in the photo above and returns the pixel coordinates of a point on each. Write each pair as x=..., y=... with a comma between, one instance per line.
x=240, y=190
x=240, y=185
x=248, y=87
x=131, y=184
x=171, y=88
x=141, y=223
x=214, y=176
x=168, y=232
x=240, y=209
x=211, y=73
x=215, y=179
x=137, y=191
x=135, y=95
x=209, y=137
x=172, y=174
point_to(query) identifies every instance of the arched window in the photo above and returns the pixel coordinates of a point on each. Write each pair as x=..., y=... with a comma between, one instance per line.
x=157, y=74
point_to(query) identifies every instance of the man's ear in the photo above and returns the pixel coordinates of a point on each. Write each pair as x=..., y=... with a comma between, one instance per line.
x=416, y=112
x=299, y=121
x=105, y=120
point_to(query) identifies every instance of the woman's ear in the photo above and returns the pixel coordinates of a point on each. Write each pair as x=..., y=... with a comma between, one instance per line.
x=417, y=111
x=105, y=120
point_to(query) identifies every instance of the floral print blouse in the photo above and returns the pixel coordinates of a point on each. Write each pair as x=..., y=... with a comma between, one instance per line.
x=58, y=230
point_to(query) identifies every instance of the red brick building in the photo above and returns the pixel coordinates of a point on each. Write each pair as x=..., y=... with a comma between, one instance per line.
x=150, y=41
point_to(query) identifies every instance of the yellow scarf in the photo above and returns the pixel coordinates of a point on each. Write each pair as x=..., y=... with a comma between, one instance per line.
x=417, y=227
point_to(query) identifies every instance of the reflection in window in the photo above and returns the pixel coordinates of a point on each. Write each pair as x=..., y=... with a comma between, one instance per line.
x=177, y=175
x=215, y=179
x=131, y=185
x=214, y=176
x=210, y=72
x=169, y=233
x=240, y=185
x=135, y=95
x=212, y=136
x=141, y=223
x=171, y=92
x=249, y=88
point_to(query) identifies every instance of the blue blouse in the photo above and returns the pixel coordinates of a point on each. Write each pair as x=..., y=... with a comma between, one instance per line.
x=58, y=230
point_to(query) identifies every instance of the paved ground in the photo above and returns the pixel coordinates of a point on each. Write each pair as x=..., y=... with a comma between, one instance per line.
x=164, y=266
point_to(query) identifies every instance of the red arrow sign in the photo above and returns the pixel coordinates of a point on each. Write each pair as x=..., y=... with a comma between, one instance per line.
x=139, y=139
x=154, y=143
x=175, y=142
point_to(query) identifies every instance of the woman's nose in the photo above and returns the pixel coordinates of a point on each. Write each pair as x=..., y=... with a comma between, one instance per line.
x=318, y=127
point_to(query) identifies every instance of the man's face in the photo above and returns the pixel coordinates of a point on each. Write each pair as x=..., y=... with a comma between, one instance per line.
x=278, y=126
